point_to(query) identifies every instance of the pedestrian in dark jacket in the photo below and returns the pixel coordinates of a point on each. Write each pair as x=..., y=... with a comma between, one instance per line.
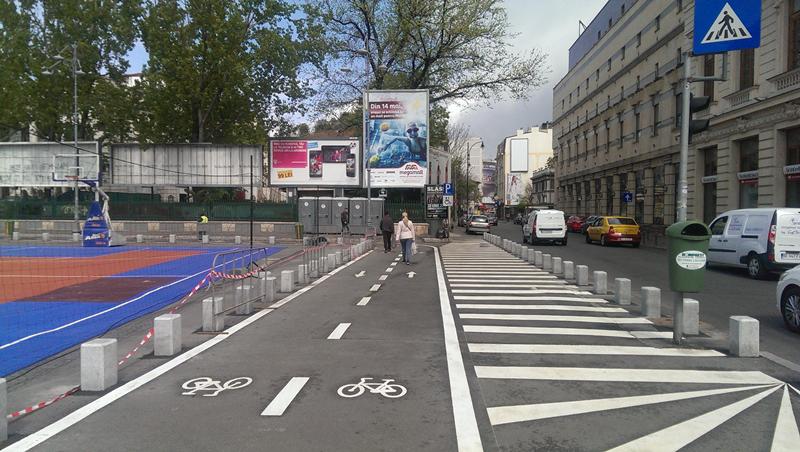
x=345, y=221
x=387, y=229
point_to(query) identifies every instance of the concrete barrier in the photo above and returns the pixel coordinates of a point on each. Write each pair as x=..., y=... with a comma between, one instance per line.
x=622, y=291
x=167, y=334
x=212, y=319
x=547, y=262
x=743, y=336
x=244, y=295
x=323, y=265
x=651, y=302
x=339, y=258
x=331, y=261
x=45, y=236
x=76, y=236
x=139, y=238
x=582, y=275
x=313, y=271
x=302, y=273
x=237, y=239
x=538, y=257
x=98, y=364
x=558, y=266
x=691, y=316
x=569, y=270
x=205, y=238
x=269, y=288
x=15, y=236
x=271, y=240
x=3, y=410
x=172, y=238
x=287, y=281
x=600, y=282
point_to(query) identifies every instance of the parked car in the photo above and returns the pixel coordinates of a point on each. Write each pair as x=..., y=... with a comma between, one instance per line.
x=492, y=219
x=589, y=221
x=762, y=240
x=608, y=230
x=545, y=226
x=788, y=297
x=477, y=223
x=574, y=223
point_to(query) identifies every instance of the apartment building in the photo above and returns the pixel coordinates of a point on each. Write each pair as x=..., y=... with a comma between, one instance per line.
x=617, y=117
x=518, y=157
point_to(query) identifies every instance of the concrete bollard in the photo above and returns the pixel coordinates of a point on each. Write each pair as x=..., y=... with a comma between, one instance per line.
x=532, y=257
x=205, y=238
x=243, y=297
x=15, y=236
x=622, y=291
x=45, y=236
x=237, y=239
x=331, y=261
x=287, y=281
x=346, y=255
x=172, y=238
x=139, y=238
x=743, y=336
x=270, y=288
x=524, y=255
x=582, y=275
x=691, y=316
x=339, y=258
x=339, y=241
x=271, y=240
x=651, y=302
x=98, y=364
x=3, y=410
x=538, y=258
x=600, y=280
x=167, y=334
x=547, y=262
x=558, y=267
x=76, y=236
x=323, y=265
x=569, y=270
x=313, y=271
x=302, y=273
x=212, y=319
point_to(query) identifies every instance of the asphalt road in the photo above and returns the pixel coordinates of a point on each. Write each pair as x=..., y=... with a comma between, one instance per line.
x=728, y=291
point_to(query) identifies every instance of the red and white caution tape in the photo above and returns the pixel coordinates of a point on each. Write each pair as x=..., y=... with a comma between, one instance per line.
x=144, y=340
x=40, y=405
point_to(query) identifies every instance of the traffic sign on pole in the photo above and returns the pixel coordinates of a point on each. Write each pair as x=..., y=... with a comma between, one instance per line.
x=725, y=25
x=448, y=189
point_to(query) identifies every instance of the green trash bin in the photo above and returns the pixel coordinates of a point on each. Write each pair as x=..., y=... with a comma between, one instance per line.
x=688, y=246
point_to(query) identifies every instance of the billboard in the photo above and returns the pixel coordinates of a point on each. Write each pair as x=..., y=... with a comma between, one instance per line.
x=323, y=163
x=519, y=155
x=185, y=165
x=397, y=137
x=32, y=164
x=514, y=189
x=434, y=202
x=488, y=179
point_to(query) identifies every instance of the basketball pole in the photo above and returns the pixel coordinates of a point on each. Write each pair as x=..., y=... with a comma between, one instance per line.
x=75, y=134
x=252, y=199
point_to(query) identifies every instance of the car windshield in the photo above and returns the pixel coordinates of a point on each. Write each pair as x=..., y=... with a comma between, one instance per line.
x=481, y=219
x=624, y=221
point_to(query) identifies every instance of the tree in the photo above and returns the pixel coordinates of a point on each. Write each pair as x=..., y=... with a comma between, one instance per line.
x=457, y=49
x=222, y=71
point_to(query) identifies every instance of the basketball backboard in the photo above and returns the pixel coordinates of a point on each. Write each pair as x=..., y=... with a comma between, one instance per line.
x=69, y=167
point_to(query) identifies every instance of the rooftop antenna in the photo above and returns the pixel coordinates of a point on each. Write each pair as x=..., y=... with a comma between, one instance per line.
x=581, y=27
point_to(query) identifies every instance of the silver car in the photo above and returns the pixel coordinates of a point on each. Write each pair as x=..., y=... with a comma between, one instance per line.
x=477, y=223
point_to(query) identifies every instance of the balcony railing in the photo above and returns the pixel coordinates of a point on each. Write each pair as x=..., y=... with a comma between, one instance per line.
x=787, y=80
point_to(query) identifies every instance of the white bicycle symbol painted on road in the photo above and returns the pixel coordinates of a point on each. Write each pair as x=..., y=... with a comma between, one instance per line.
x=213, y=387
x=386, y=388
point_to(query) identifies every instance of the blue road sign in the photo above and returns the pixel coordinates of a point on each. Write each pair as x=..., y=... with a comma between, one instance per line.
x=725, y=25
x=627, y=196
x=448, y=189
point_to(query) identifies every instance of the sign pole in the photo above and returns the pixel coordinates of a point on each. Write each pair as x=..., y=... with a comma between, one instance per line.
x=252, y=198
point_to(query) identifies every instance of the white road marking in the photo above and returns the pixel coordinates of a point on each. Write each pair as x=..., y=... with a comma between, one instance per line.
x=393, y=264
x=360, y=274
x=518, y=298
x=338, y=332
x=549, y=279
x=558, y=318
x=625, y=375
x=383, y=277
x=534, y=412
x=492, y=271
x=285, y=397
x=87, y=410
x=500, y=329
x=485, y=276
x=396, y=260
x=538, y=307
x=365, y=300
x=522, y=292
x=467, y=433
x=786, y=436
x=563, y=349
x=390, y=269
x=680, y=435
x=375, y=288
x=651, y=334
x=514, y=286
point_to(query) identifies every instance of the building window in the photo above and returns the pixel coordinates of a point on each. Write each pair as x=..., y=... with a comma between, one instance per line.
x=579, y=92
x=585, y=146
x=638, y=39
x=598, y=35
x=659, y=188
x=658, y=22
x=656, y=72
x=708, y=71
x=680, y=5
x=608, y=136
x=596, y=139
x=621, y=129
x=610, y=195
x=678, y=110
x=794, y=35
x=621, y=93
x=622, y=10
x=597, y=75
x=679, y=57
x=709, y=187
x=639, y=196
x=746, y=68
x=610, y=22
x=793, y=158
x=622, y=53
x=570, y=99
x=748, y=161
x=608, y=68
x=637, y=124
x=655, y=116
x=597, y=184
x=562, y=104
x=638, y=82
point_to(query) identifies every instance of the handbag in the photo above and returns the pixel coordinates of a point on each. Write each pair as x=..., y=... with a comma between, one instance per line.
x=413, y=248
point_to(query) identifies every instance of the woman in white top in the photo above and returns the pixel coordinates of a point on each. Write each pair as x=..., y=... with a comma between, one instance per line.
x=405, y=234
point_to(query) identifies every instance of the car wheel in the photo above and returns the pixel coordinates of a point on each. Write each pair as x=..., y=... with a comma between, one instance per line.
x=755, y=268
x=636, y=245
x=603, y=241
x=790, y=308
x=588, y=239
x=524, y=239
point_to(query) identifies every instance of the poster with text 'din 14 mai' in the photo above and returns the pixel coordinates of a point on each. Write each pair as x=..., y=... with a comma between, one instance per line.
x=397, y=137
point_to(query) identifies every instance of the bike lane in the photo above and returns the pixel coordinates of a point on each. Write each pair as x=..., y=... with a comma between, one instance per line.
x=297, y=367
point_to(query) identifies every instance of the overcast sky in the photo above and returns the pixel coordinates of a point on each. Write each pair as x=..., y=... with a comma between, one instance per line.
x=550, y=25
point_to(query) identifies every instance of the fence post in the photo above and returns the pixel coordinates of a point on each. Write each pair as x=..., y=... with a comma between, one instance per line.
x=3, y=410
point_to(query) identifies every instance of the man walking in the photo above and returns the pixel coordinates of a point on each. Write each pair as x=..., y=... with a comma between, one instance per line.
x=345, y=221
x=387, y=229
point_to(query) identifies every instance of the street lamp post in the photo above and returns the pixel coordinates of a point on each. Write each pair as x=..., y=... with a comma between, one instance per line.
x=469, y=157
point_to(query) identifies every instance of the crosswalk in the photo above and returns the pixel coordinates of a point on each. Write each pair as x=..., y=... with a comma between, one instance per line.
x=555, y=362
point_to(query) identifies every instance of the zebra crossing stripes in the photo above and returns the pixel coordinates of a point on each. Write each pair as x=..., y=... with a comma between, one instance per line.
x=526, y=298
x=558, y=318
x=538, y=307
x=528, y=330
x=550, y=349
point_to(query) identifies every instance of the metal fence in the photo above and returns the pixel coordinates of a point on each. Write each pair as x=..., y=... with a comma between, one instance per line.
x=416, y=210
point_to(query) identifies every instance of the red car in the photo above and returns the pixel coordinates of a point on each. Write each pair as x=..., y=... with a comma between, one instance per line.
x=574, y=223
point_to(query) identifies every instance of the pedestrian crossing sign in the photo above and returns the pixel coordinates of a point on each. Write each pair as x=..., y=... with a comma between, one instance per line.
x=725, y=25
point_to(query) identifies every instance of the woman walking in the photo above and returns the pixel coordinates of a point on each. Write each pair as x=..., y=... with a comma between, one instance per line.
x=405, y=234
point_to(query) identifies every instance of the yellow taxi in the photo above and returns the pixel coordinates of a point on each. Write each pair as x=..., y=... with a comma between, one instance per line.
x=608, y=230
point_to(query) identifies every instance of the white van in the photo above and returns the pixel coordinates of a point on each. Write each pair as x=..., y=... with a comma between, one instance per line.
x=545, y=226
x=763, y=240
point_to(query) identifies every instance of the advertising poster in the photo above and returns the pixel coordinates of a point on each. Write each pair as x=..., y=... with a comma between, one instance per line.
x=324, y=163
x=397, y=137
x=514, y=189
x=434, y=202
x=488, y=181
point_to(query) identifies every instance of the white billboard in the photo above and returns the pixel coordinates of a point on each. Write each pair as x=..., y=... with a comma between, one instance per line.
x=311, y=163
x=31, y=164
x=397, y=137
x=186, y=165
x=519, y=155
